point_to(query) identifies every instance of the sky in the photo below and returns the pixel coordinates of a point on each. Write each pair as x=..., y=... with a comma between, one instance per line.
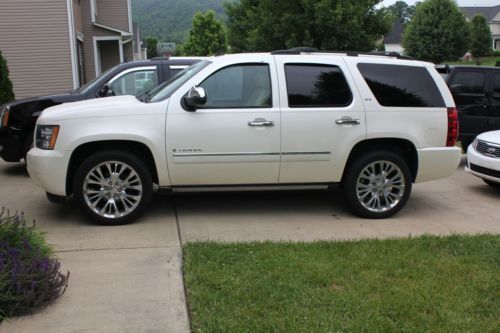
x=462, y=3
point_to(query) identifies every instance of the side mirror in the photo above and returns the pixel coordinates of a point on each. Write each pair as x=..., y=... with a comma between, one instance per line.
x=106, y=91
x=195, y=98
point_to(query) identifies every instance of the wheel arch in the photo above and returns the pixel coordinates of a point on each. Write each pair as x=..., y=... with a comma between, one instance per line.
x=136, y=148
x=402, y=147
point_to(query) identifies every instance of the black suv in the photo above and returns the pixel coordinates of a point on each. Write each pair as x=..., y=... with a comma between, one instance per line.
x=18, y=118
x=476, y=91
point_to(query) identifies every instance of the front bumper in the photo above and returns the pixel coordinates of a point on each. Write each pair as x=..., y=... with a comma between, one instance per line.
x=48, y=169
x=12, y=145
x=3, y=137
x=482, y=166
x=437, y=163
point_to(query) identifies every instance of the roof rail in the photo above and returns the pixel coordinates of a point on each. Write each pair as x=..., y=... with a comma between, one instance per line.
x=300, y=50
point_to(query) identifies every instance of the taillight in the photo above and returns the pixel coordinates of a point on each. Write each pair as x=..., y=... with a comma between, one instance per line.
x=452, y=136
x=5, y=118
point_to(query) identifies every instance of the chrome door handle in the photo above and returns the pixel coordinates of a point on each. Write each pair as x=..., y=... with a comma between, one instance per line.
x=260, y=122
x=347, y=121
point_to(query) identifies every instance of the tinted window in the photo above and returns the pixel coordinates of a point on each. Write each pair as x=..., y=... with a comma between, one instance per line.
x=316, y=86
x=468, y=83
x=496, y=83
x=240, y=86
x=403, y=86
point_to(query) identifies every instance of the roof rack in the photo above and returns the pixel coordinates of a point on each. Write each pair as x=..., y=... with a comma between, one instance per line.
x=300, y=50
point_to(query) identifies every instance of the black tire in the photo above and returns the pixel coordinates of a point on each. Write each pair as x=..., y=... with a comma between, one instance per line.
x=350, y=181
x=27, y=145
x=135, y=164
x=492, y=183
x=465, y=144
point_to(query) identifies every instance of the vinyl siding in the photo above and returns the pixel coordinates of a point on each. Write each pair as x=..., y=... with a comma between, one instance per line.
x=34, y=38
x=113, y=13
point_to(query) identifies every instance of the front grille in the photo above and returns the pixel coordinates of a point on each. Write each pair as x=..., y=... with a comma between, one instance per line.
x=488, y=149
x=485, y=171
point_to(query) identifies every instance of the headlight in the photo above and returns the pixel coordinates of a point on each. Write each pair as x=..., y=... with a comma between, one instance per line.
x=46, y=136
x=4, y=116
x=474, y=144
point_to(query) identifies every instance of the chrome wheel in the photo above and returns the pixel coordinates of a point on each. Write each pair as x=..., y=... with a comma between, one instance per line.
x=380, y=186
x=112, y=189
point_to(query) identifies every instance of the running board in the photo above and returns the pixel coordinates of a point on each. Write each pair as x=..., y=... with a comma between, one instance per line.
x=246, y=188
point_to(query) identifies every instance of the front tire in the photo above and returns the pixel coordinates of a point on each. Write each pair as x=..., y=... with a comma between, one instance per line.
x=113, y=187
x=492, y=183
x=377, y=185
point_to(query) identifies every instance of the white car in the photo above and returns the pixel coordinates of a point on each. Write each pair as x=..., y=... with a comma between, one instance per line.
x=374, y=124
x=483, y=158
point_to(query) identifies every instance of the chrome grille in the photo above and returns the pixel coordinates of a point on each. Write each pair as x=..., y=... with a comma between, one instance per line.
x=488, y=149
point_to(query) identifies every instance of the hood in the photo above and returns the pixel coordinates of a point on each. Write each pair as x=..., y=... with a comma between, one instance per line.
x=92, y=108
x=493, y=137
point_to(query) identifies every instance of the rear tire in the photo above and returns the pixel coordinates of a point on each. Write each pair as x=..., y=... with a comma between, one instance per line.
x=113, y=187
x=377, y=185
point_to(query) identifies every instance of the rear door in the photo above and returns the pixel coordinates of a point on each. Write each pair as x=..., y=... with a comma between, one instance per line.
x=494, y=119
x=468, y=87
x=322, y=118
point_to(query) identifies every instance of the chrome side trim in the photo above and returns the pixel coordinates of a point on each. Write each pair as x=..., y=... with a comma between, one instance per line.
x=307, y=153
x=222, y=154
x=298, y=156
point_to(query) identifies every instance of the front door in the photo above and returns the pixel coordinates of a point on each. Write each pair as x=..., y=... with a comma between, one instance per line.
x=234, y=139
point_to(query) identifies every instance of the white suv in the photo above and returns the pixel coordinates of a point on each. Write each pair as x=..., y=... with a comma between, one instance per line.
x=374, y=124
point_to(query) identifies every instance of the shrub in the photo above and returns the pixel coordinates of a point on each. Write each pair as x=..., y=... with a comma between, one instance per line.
x=6, y=93
x=496, y=53
x=29, y=273
x=497, y=64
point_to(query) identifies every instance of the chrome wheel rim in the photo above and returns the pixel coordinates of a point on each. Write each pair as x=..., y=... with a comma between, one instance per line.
x=380, y=186
x=112, y=189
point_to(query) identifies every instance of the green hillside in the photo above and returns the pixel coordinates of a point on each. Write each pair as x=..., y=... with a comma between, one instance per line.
x=170, y=20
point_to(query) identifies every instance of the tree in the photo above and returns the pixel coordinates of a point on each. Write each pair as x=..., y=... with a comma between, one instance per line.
x=402, y=11
x=437, y=32
x=481, y=37
x=266, y=25
x=152, y=43
x=6, y=92
x=207, y=36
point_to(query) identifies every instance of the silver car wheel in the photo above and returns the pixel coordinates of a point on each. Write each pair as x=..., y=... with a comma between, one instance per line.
x=380, y=186
x=112, y=189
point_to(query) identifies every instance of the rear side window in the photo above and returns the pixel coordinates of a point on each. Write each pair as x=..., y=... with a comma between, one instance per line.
x=468, y=82
x=401, y=86
x=316, y=86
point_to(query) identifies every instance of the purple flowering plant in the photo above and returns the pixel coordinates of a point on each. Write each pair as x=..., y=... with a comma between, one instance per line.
x=30, y=276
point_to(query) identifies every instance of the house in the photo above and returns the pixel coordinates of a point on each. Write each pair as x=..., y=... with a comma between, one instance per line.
x=492, y=15
x=59, y=45
x=393, y=40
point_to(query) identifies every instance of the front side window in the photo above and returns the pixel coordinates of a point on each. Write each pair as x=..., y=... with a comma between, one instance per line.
x=401, y=86
x=316, y=86
x=135, y=83
x=468, y=83
x=239, y=86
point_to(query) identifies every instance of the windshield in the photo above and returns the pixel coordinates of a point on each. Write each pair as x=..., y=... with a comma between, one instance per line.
x=88, y=84
x=167, y=88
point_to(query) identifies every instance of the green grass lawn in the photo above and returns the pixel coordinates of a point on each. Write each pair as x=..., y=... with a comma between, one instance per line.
x=426, y=284
x=486, y=61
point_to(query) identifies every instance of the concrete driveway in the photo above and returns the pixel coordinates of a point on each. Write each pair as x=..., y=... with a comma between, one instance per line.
x=128, y=278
